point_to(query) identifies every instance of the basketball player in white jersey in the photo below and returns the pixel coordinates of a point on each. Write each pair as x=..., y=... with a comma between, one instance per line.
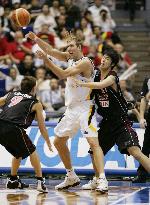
x=80, y=112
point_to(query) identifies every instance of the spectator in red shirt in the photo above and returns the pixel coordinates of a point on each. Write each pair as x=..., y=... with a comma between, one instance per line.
x=18, y=48
x=3, y=42
x=45, y=33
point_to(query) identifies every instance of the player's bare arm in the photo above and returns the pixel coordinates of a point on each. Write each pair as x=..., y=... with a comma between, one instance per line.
x=3, y=100
x=109, y=81
x=142, y=111
x=48, y=49
x=81, y=67
x=39, y=116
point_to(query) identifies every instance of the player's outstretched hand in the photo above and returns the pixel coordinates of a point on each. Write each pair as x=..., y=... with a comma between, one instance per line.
x=31, y=35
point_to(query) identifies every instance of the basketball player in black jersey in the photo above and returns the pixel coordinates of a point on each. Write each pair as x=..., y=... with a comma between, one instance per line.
x=115, y=127
x=142, y=174
x=19, y=108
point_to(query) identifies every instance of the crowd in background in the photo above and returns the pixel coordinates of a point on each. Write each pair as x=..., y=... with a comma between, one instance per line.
x=91, y=21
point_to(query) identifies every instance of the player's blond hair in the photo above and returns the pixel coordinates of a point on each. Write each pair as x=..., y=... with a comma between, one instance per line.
x=71, y=37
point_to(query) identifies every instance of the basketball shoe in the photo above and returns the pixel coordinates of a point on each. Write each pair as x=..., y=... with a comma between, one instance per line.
x=102, y=185
x=15, y=183
x=91, y=185
x=41, y=187
x=68, y=182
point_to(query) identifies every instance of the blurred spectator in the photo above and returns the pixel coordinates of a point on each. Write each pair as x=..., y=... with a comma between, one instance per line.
x=73, y=14
x=96, y=9
x=44, y=18
x=3, y=41
x=16, y=4
x=17, y=49
x=54, y=9
x=35, y=10
x=60, y=40
x=1, y=10
x=26, y=67
x=79, y=35
x=46, y=34
x=61, y=23
x=14, y=79
x=42, y=82
x=97, y=38
x=106, y=22
x=81, y=4
x=125, y=60
x=62, y=10
x=127, y=94
x=88, y=16
x=93, y=55
x=111, y=4
x=87, y=31
x=5, y=20
x=54, y=98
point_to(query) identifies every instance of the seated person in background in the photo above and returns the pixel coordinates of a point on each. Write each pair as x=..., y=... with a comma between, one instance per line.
x=54, y=97
x=106, y=22
x=42, y=82
x=133, y=111
x=44, y=18
x=17, y=48
x=125, y=60
x=27, y=67
x=48, y=35
x=126, y=93
x=13, y=80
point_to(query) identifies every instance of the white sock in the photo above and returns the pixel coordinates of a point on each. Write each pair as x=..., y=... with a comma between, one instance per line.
x=102, y=175
x=71, y=173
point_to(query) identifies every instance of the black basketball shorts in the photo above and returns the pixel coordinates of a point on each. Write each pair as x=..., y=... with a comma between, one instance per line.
x=119, y=132
x=15, y=140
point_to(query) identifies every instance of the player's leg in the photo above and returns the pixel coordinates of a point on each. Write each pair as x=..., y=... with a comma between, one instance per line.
x=142, y=174
x=67, y=126
x=106, y=142
x=15, y=165
x=140, y=157
x=128, y=143
x=61, y=145
x=13, y=180
x=11, y=139
x=89, y=130
x=24, y=148
x=35, y=162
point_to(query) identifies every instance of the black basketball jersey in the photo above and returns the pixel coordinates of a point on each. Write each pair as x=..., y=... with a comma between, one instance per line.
x=110, y=103
x=17, y=109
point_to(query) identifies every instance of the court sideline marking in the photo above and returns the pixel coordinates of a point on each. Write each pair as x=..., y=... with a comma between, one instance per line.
x=128, y=195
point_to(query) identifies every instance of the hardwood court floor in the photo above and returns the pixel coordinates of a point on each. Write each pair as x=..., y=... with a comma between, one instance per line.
x=120, y=192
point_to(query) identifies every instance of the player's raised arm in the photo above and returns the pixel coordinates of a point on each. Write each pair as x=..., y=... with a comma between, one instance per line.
x=109, y=81
x=48, y=49
x=60, y=73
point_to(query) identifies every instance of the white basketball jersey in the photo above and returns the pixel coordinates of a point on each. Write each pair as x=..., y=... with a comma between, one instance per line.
x=73, y=93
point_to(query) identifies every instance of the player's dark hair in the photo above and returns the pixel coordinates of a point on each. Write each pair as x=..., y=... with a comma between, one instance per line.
x=27, y=84
x=114, y=56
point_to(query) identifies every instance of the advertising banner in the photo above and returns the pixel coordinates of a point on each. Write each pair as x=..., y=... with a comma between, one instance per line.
x=115, y=163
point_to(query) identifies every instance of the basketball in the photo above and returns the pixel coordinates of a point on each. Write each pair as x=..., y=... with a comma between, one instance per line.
x=21, y=17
